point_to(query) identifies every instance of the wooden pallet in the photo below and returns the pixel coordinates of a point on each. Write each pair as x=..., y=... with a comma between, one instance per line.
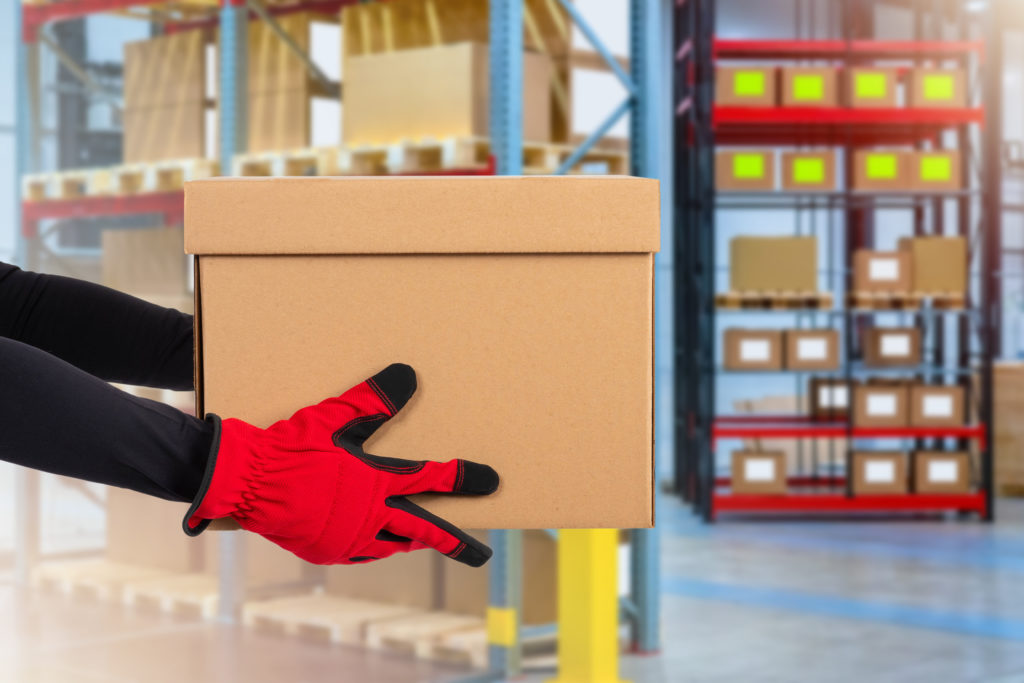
x=884, y=301
x=421, y=635
x=1011, y=490
x=945, y=300
x=94, y=578
x=310, y=161
x=128, y=179
x=783, y=301
x=193, y=594
x=321, y=617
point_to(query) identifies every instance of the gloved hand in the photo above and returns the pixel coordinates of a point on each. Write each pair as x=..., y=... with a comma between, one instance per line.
x=307, y=485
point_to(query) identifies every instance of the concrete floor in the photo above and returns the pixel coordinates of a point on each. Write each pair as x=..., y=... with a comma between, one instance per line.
x=743, y=600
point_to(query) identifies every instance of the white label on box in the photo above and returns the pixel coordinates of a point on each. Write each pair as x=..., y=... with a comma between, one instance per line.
x=755, y=350
x=759, y=469
x=811, y=349
x=833, y=397
x=883, y=269
x=942, y=471
x=895, y=344
x=880, y=472
x=881, y=405
x=937, y=406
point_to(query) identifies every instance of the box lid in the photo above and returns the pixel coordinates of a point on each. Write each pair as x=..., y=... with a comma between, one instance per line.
x=422, y=214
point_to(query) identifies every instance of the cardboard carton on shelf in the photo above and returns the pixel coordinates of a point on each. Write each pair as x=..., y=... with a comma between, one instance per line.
x=809, y=171
x=880, y=405
x=942, y=472
x=881, y=271
x=891, y=346
x=812, y=349
x=937, y=406
x=783, y=264
x=753, y=349
x=879, y=472
x=830, y=397
x=745, y=86
x=932, y=88
x=936, y=170
x=501, y=292
x=759, y=472
x=940, y=263
x=809, y=86
x=882, y=170
x=872, y=87
x=1007, y=427
x=744, y=170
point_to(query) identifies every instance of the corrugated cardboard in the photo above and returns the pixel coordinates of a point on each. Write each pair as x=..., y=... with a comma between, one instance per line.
x=812, y=349
x=880, y=405
x=942, y=472
x=166, y=70
x=145, y=261
x=882, y=271
x=830, y=397
x=273, y=66
x=940, y=263
x=744, y=170
x=936, y=170
x=871, y=87
x=524, y=304
x=813, y=171
x=759, y=472
x=937, y=88
x=753, y=349
x=1008, y=428
x=279, y=120
x=435, y=92
x=809, y=86
x=936, y=406
x=745, y=86
x=879, y=472
x=773, y=264
x=891, y=346
x=164, y=132
x=882, y=170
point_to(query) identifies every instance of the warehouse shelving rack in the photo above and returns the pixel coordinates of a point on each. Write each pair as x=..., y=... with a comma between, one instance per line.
x=699, y=428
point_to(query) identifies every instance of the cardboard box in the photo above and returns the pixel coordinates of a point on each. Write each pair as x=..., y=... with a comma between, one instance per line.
x=745, y=86
x=812, y=349
x=879, y=472
x=786, y=264
x=145, y=531
x=162, y=133
x=502, y=293
x=882, y=170
x=936, y=171
x=829, y=397
x=435, y=92
x=753, y=349
x=881, y=271
x=937, y=88
x=145, y=261
x=872, y=87
x=759, y=472
x=880, y=405
x=1008, y=428
x=942, y=472
x=813, y=171
x=809, y=86
x=891, y=346
x=744, y=170
x=940, y=263
x=165, y=70
x=936, y=406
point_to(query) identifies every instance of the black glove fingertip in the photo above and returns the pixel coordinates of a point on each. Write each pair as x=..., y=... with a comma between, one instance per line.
x=475, y=555
x=477, y=479
x=397, y=383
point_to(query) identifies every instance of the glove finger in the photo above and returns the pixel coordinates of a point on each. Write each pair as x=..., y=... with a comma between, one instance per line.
x=454, y=476
x=379, y=549
x=410, y=520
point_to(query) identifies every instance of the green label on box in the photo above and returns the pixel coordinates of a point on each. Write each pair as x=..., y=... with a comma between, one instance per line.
x=938, y=87
x=748, y=83
x=881, y=166
x=748, y=166
x=808, y=88
x=936, y=168
x=810, y=170
x=870, y=85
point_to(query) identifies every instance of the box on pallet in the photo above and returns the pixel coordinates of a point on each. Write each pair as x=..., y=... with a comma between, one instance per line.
x=813, y=171
x=747, y=170
x=759, y=472
x=881, y=170
x=830, y=397
x=812, y=349
x=782, y=264
x=879, y=472
x=942, y=472
x=809, y=86
x=936, y=406
x=891, y=346
x=753, y=349
x=871, y=87
x=940, y=263
x=746, y=86
x=931, y=88
x=1008, y=428
x=880, y=405
x=936, y=171
x=881, y=271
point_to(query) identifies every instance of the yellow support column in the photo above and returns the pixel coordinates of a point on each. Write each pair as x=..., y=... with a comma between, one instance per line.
x=588, y=606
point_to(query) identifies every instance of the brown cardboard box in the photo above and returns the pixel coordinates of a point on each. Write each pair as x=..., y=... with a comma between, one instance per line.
x=936, y=406
x=744, y=170
x=505, y=290
x=435, y=92
x=881, y=271
x=937, y=88
x=773, y=264
x=891, y=346
x=880, y=405
x=942, y=472
x=164, y=132
x=812, y=349
x=165, y=70
x=753, y=349
x=809, y=86
x=145, y=261
x=830, y=397
x=745, y=86
x=940, y=263
x=279, y=120
x=882, y=170
x=936, y=170
x=759, y=472
x=879, y=472
x=872, y=87
x=809, y=171
x=1008, y=428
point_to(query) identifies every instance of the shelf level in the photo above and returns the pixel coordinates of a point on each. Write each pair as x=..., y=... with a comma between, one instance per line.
x=840, y=503
x=833, y=430
x=170, y=204
x=838, y=49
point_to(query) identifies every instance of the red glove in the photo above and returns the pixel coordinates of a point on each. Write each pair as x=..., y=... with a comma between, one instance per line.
x=307, y=485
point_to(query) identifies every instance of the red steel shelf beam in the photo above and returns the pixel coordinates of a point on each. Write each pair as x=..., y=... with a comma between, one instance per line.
x=838, y=431
x=840, y=503
x=170, y=204
x=837, y=49
x=800, y=481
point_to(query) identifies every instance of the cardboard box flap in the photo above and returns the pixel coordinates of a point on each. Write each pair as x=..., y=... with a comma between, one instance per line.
x=433, y=215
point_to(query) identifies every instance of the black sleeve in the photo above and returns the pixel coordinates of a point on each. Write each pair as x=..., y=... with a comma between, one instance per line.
x=59, y=419
x=108, y=334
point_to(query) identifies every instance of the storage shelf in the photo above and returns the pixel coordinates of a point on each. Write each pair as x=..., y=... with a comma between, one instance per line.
x=841, y=503
x=807, y=429
x=723, y=48
x=170, y=204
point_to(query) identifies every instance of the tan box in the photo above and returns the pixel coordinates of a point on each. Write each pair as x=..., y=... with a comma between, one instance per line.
x=745, y=86
x=164, y=132
x=880, y=405
x=882, y=170
x=759, y=472
x=279, y=120
x=166, y=70
x=508, y=289
x=753, y=349
x=812, y=349
x=891, y=346
x=940, y=263
x=744, y=170
x=272, y=65
x=830, y=397
x=872, y=87
x=809, y=171
x=942, y=472
x=882, y=271
x=936, y=171
x=145, y=261
x=435, y=92
x=932, y=88
x=809, y=86
x=788, y=264
x=936, y=406
x=146, y=532
x=879, y=472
